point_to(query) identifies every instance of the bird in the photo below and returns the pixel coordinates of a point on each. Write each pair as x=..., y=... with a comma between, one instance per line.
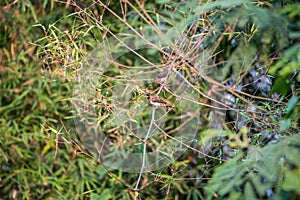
x=156, y=101
x=162, y=77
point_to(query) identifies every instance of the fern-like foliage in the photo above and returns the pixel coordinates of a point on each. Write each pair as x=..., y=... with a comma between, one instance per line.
x=258, y=33
x=289, y=66
x=269, y=172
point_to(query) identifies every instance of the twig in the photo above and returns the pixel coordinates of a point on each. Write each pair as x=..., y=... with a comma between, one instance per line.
x=144, y=150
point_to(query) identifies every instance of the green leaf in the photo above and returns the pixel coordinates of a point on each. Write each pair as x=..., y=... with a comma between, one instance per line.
x=281, y=85
x=260, y=186
x=258, y=172
x=285, y=124
x=207, y=135
x=162, y=1
x=292, y=104
x=106, y=194
x=292, y=181
x=235, y=195
x=221, y=3
x=249, y=193
x=289, y=58
x=293, y=156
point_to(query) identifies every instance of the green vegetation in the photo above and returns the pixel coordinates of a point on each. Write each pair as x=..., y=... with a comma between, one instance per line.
x=233, y=77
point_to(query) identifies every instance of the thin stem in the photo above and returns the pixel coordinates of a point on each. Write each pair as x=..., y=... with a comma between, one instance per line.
x=145, y=149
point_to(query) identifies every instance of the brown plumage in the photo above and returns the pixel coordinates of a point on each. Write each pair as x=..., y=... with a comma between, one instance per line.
x=162, y=76
x=156, y=101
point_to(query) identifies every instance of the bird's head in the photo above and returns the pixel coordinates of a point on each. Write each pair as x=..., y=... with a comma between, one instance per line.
x=147, y=95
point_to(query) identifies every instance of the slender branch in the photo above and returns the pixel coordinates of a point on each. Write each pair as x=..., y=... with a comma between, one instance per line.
x=145, y=149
